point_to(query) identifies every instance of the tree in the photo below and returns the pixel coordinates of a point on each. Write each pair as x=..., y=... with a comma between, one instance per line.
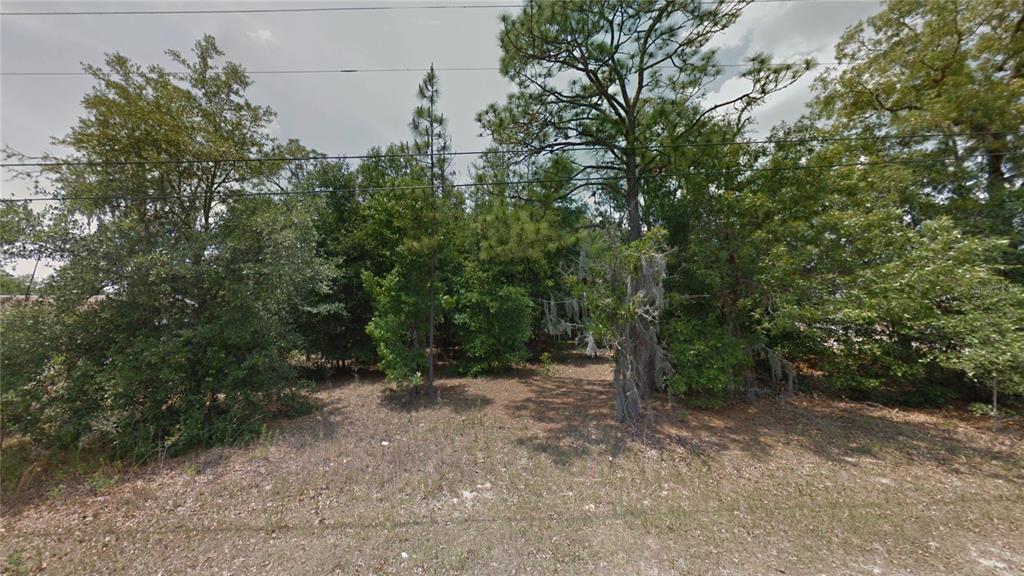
x=334, y=323
x=177, y=292
x=944, y=82
x=840, y=277
x=609, y=80
x=623, y=285
x=614, y=86
x=492, y=320
x=430, y=140
x=419, y=214
x=14, y=285
x=523, y=225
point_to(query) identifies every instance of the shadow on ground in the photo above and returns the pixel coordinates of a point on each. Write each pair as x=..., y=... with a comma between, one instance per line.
x=456, y=397
x=848, y=434
x=571, y=419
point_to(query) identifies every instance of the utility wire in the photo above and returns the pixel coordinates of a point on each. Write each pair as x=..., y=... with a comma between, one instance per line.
x=347, y=157
x=299, y=71
x=593, y=180
x=364, y=8
x=376, y=8
x=291, y=71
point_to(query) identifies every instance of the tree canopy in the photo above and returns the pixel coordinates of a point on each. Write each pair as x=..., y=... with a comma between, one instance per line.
x=207, y=271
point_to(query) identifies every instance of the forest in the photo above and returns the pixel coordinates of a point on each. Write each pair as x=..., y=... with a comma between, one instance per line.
x=638, y=329
x=209, y=274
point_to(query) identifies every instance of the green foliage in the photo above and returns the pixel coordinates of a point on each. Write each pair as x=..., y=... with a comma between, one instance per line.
x=546, y=364
x=420, y=221
x=334, y=318
x=980, y=409
x=399, y=324
x=492, y=321
x=174, y=309
x=880, y=302
x=953, y=71
x=136, y=375
x=101, y=482
x=855, y=270
x=521, y=241
x=179, y=300
x=522, y=237
x=16, y=564
x=11, y=284
x=28, y=335
x=603, y=275
x=708, y=362
x=640, y=73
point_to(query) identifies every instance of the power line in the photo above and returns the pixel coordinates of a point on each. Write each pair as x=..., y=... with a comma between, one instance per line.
x=347, y=157
x=300, y=71
x=584, y=180
x=295, y=71
x=365, y=8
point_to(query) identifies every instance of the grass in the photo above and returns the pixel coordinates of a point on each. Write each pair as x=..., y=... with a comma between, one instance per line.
x=101, y=481
x=528, y=473
x=14, y=564
x=28, y=474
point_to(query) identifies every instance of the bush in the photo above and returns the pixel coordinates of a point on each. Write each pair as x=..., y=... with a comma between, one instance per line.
x=197, y=284
x=399, y=325
x=493, y=323
x=182, y=354
x=27, y=338
x=707, y=361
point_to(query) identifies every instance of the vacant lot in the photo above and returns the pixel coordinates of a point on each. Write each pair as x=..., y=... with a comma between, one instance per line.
x=527, y=474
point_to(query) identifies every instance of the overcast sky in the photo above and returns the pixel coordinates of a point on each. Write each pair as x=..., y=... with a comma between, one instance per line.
x=340, y=113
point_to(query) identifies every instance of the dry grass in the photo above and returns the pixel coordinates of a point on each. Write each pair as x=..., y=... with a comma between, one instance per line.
x=527, y=474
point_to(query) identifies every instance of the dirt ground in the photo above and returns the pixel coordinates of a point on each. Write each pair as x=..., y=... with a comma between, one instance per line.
x=528, y=474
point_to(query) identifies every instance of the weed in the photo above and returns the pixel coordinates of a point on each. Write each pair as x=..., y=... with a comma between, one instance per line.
x=56, y=491
x=15, y=564
x=546, y=364
x=983, y=409
x=267, y=437
x=100, y=481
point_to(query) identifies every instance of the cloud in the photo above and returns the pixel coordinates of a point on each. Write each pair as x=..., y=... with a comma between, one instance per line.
x=790, y=31
x=263, y=36
x=787, y=32
x=272, y=129
x=731, y=88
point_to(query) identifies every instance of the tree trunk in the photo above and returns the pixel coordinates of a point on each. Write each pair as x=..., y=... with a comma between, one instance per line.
x=433, y=252
x=430, y=330
x=628, y=394
x=31, y=280
x=995, y=405
x=640, y=362
x=632, y=197
x=629, y=398
x=995, y=156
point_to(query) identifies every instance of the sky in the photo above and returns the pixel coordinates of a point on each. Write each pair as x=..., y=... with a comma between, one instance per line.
x=342, y=113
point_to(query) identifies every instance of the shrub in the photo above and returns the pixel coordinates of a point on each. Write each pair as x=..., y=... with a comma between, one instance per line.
x=707, y=361
x=399, y=324
x=493, y=322
x=180, y=355
x=198, y=286
x=27, y=338
x=546, y=364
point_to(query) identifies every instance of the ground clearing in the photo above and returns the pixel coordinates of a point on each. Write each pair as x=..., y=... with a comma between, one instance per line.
x=527, y=474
